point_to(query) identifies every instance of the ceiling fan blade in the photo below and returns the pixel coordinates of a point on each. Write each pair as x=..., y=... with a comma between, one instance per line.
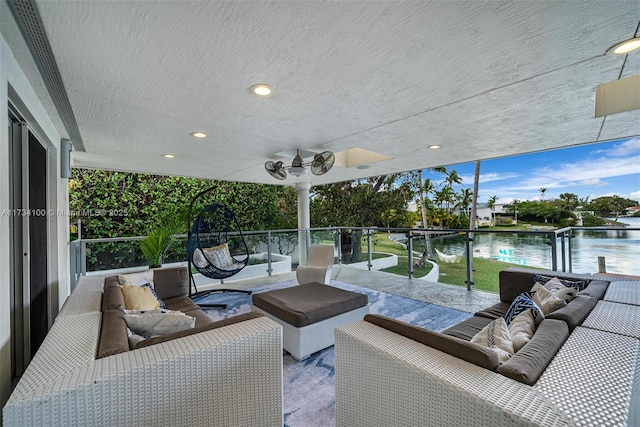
x=322, y=162
x=276, y=169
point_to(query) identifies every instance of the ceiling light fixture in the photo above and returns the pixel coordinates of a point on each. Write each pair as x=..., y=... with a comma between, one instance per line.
x=434, y=147
x=320, y=165
x=262, y=90
x=625, y=47
x=198, y=134
x=168, y=156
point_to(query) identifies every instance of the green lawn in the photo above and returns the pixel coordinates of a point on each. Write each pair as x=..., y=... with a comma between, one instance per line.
x=485, y=275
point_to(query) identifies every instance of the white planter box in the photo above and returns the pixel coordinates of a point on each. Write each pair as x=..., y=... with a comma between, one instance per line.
x=377, y=264
x=279, y=264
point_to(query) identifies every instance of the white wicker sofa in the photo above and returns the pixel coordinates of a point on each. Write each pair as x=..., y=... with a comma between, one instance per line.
x=229, y=376
x=384, y=378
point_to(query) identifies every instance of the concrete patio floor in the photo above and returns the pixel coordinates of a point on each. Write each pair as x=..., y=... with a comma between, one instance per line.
x=436, y=293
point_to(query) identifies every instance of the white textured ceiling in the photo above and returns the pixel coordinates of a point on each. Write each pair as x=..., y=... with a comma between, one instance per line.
x=481, y=79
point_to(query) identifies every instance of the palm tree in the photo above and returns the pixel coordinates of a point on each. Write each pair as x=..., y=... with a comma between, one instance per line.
x=542, y=191
x=453, y=178
x=465, y=198
x=491, y=204
x=426, y=188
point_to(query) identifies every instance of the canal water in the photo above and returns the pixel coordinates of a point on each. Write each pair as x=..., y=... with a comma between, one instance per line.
x=621, y=249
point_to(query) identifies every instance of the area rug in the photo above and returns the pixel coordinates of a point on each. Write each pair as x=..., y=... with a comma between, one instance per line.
x=309, y=387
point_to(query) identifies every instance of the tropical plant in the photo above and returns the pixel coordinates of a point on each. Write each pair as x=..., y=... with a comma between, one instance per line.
x=543, y=190
x=491, y=203
x=158, y=240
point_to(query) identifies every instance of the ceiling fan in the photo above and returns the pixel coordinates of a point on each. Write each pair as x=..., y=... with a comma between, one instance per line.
x=320, y=165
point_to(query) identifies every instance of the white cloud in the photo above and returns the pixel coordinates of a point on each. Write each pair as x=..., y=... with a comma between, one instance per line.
x=488, y=177
x=634, y=195
x=626, y=148
x=595, y=182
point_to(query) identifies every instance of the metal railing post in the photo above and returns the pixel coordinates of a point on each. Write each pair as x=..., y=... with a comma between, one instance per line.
x=562, y=249
x=569, y=235
x=339, y=238
x=554, y=252
x=369, y=253
x=469, y=261
x=410, y=249
x=83, y=258
x=269, y=248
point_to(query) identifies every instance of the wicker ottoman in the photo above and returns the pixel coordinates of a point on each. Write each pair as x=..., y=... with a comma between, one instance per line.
x=309, y=313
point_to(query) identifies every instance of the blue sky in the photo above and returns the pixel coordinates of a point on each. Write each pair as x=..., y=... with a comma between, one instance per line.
x=593, y=170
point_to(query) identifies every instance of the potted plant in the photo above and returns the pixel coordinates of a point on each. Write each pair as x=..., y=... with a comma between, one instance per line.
x=155, y=245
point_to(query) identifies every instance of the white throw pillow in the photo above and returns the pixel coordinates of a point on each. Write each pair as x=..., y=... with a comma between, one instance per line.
x=521, y=329
x=219, y=256
x=198, y=259
x=546, y=300
x=560, y=290
x=158, y=322
x=136, y=279
x=496, y=337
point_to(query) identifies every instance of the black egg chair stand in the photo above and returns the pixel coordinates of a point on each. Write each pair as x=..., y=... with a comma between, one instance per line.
x=215, y=225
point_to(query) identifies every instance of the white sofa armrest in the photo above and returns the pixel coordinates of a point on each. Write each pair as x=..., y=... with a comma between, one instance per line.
x=223, y=377
x=386, y=379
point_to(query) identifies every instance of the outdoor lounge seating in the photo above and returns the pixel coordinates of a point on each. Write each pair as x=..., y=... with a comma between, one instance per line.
x=318, y=266
x=309, y=313
x=85, y=373
x=580, y=367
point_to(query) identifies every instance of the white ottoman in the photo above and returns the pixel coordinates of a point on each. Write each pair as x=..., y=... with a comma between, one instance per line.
x=309, y=313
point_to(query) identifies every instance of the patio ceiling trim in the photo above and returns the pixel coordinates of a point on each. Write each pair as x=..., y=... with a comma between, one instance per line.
x=28, y=18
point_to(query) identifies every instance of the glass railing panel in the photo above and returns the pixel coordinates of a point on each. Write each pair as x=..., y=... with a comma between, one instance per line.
x=620, y=249
x=113, y=254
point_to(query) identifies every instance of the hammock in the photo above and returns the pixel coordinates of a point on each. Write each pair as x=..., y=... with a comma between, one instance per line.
x=449, y=259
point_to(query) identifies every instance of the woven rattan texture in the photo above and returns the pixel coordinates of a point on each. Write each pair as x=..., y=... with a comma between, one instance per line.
x=615, y=317
x=89, y=284
x=79, y=304
x=624, y=292
x=384, y=379
x=71, y=342
x=304, y=341
x=231, y=376
x=591, y=377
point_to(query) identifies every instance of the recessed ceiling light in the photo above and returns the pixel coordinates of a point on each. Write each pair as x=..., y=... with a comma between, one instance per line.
x=624, y=47
x=434, y=147
x=198, y=134
x=261, y=90
x=363, y=166
x=168, y=156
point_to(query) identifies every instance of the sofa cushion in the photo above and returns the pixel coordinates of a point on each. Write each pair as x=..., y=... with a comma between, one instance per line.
x=468, y=328
x=139, y=298
x=546, y=300
x=197, y=329
x=110, y=282
x=544, y=280
x=596, y=289
x=529, y=363
x=201, y=317
x=522, y=329
x=171, y=282
x=158, y=322
x=496, y=337
x=112, y=299
x=113, y=334
x=520, y=304
x=576, y=311
x=181, y=303
x=495, y=311
x=472, y=353
x=513, y=283
x=136, y=279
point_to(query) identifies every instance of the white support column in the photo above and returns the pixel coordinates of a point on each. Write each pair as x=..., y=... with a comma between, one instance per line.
x=304, y=219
